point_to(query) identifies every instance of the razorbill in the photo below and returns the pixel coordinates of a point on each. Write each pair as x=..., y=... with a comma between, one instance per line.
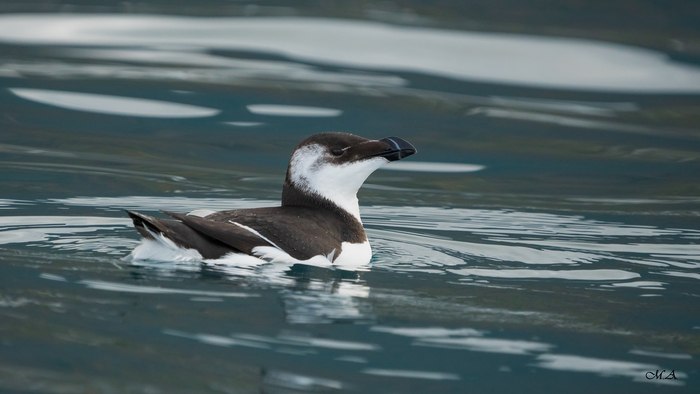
x=319, y=215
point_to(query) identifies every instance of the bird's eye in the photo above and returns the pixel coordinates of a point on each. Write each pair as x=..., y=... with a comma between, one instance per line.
x=337, y=152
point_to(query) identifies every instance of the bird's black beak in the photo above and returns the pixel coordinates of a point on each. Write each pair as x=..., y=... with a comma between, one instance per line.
x=398, y=148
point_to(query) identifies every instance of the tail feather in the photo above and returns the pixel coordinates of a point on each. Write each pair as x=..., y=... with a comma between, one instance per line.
x=181, y=234
x=144, y=223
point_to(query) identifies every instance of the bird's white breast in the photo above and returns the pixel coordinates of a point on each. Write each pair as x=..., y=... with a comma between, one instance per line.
x=354, y=254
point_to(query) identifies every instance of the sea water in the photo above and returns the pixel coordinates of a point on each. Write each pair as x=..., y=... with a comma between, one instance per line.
x=544, y=238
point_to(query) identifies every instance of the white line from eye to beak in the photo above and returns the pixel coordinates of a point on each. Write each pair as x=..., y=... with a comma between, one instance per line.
x=395, y=143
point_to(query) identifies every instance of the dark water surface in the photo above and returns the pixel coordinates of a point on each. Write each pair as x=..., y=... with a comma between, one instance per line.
x=544, y=239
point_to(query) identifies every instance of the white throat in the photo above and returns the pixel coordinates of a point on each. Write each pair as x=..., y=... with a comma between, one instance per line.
x=311, y=171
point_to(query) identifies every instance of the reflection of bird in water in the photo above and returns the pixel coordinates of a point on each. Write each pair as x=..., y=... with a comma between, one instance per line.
x=319, y=217
x=319, y=295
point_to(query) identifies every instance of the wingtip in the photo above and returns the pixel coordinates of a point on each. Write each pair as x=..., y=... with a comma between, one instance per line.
x=133, y=215
x=142, y=223
x=171, y=214
x=175, y=215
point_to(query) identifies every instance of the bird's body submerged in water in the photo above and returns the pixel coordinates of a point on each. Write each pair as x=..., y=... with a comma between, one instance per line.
x=319, y=215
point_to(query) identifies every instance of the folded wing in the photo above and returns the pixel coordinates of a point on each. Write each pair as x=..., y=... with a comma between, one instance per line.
x=299, y=232
x=239, y=238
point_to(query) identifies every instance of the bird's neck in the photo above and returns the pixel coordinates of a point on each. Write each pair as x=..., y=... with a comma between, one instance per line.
x=345, y=206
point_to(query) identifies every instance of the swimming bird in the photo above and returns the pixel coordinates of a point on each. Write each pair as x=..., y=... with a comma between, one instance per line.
x=319, y=215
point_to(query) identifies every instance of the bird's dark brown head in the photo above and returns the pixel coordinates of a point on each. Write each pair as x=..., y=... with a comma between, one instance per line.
x=333, y=166
x=342, y=148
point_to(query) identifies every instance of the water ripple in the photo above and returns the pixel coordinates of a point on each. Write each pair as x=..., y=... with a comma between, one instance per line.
x=113, y=105
x=603, y=367
x=471, y=56
x=476, y=244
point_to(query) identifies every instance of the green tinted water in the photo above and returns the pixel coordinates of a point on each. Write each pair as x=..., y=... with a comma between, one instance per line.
x=544, y=238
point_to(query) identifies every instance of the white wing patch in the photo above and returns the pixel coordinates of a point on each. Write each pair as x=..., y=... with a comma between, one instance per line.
x=255, y=232
x=201, y=213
